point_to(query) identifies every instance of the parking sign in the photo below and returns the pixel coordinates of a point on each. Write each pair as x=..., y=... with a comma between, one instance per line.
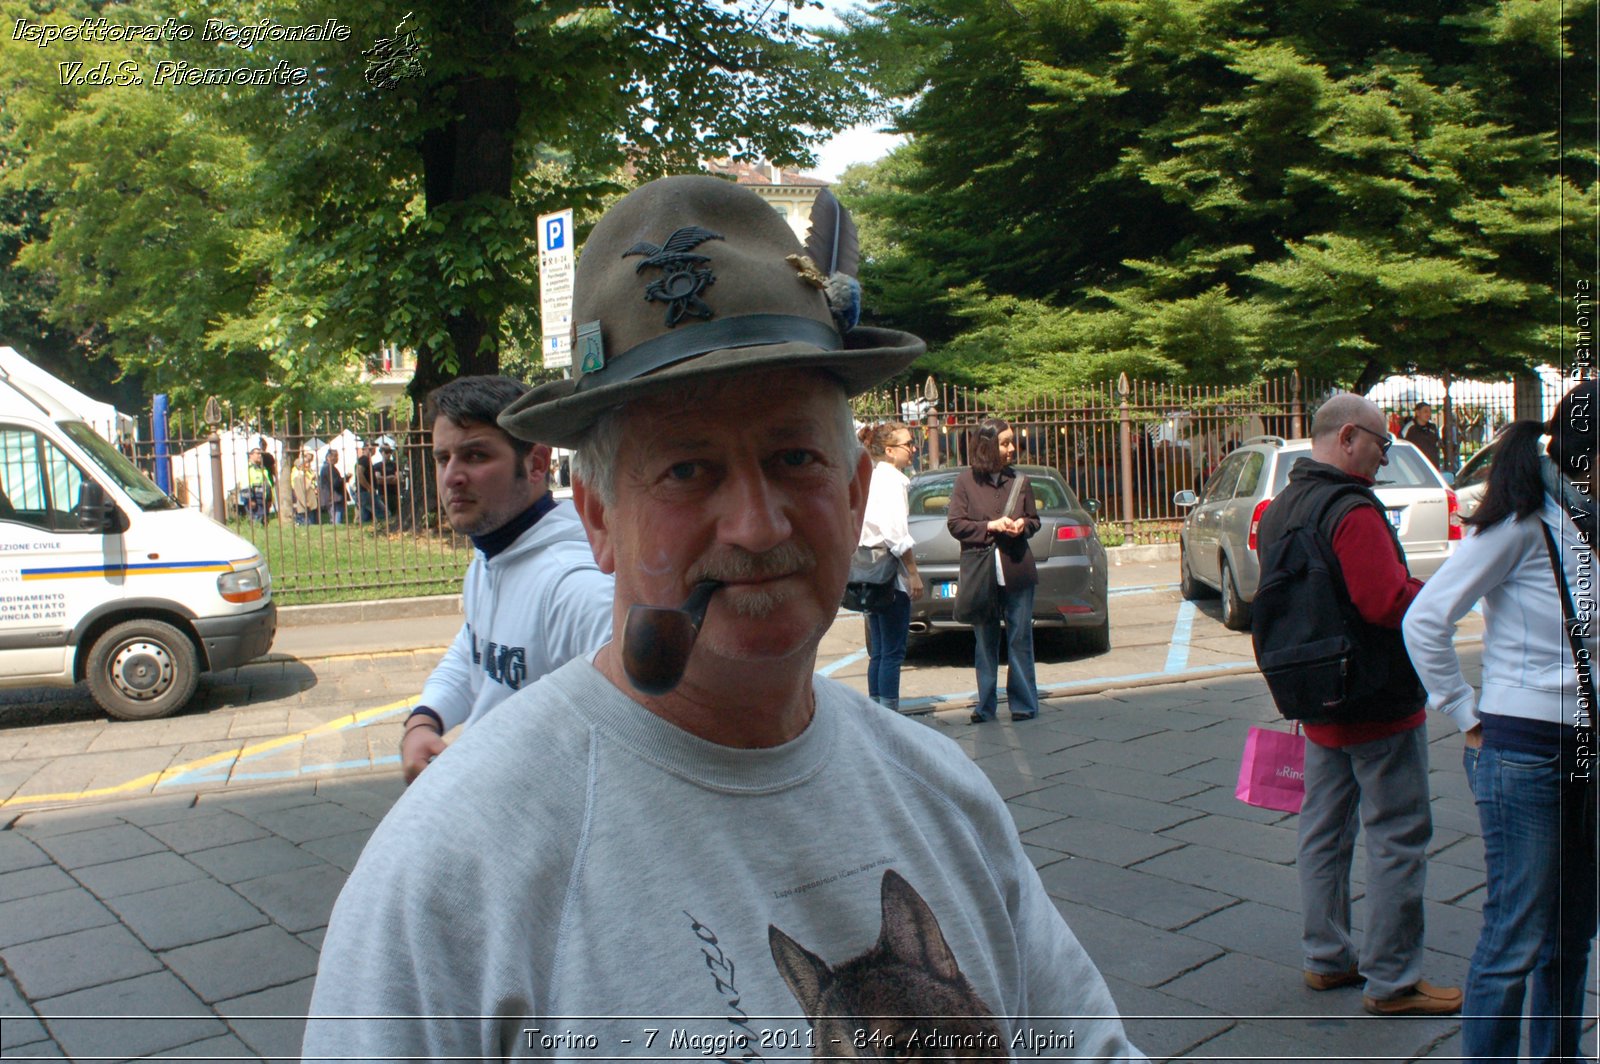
x=555, y=233
x=555, y=287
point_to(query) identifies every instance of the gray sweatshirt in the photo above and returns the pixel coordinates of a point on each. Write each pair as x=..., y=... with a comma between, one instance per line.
x=579, y=879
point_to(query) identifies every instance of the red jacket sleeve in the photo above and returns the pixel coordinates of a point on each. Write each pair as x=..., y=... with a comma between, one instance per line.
x=1374, y=574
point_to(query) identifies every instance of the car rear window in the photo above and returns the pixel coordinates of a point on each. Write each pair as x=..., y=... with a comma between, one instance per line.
x=1406, y=469
x=931, y=495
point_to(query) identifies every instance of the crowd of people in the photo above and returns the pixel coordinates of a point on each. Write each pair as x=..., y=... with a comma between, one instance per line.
x=323, y=493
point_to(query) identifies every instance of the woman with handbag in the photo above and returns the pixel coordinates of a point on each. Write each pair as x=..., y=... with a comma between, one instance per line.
x=1530, y=735
x=887, y=526
x=992, y=513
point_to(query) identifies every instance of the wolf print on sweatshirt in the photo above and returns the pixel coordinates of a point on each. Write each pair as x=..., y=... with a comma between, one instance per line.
x=905, y=998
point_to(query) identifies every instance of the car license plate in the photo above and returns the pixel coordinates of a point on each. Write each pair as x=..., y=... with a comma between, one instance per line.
x=1394, y=518
x=945, y=590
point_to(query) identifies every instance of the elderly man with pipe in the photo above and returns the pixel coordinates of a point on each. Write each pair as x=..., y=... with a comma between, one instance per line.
x=690, y=843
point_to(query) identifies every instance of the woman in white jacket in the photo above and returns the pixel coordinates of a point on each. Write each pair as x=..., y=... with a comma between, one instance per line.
x=1530, y=736
x=887, y=525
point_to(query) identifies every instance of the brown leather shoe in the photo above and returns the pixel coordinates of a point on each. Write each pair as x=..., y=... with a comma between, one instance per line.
x=1424, y=999
x=1333, y=980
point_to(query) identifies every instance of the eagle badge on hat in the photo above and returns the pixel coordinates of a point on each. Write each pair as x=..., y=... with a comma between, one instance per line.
x=682, y=276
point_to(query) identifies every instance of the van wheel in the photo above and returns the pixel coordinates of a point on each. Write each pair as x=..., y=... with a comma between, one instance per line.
x=141, y=670
x=1235, y=610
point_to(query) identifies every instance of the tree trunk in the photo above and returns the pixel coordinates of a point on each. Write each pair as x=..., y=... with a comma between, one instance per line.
x=471, y=155
x=1371, y=375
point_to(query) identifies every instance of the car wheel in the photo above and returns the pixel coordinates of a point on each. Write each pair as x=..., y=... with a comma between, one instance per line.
x=141, y=670
x=1188, y=586
x=1235, y=610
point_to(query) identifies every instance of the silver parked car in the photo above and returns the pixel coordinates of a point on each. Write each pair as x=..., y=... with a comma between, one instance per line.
x=1473, y=480
x=1071, y=560
x=1218, y=539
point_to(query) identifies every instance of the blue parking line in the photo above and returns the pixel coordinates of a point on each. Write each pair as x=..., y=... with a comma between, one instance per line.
x=849, y=659
x=1182, y=630
x=225, y=772
x=1141, y=589
x=1098, y=681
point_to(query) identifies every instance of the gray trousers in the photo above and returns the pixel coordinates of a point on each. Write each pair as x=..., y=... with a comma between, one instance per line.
x=1385, y=784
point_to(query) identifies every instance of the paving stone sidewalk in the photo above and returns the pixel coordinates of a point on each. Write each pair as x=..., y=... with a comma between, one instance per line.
x=187, y=926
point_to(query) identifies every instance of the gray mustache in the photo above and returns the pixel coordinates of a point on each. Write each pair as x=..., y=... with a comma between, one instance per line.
x=736, y=564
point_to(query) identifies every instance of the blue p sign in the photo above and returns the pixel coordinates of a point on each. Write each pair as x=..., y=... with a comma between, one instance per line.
x=555, y=233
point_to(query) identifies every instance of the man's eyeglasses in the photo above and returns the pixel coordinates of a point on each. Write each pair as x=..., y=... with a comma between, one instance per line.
x=1384, y=442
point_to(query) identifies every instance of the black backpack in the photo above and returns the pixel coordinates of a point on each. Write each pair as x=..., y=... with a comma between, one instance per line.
x=1306, y=631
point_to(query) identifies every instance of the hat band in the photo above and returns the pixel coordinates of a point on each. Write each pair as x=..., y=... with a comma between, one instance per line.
x=746, y=330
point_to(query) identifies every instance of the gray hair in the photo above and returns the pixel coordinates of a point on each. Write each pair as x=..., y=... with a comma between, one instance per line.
x=1338, y=410
x=595, y=460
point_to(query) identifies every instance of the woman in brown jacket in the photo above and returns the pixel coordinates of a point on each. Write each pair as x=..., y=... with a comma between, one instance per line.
x=975, y=520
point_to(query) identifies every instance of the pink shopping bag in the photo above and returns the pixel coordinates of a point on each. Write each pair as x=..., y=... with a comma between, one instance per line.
x=1272, y=774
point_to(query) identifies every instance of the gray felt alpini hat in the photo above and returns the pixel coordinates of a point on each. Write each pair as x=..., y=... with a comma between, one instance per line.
x=688, y=277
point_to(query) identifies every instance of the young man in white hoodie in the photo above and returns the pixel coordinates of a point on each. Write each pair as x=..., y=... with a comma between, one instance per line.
x=534, y=598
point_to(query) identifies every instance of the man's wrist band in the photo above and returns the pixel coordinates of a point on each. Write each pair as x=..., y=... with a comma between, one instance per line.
x=424, y=713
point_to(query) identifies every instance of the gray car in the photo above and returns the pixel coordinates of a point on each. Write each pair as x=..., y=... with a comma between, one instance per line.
x=1218, y=538
x=1071, y=595
x=1473, y=480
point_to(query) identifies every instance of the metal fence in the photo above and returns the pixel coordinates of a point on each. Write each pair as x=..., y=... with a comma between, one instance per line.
x=1127, y=445
x=343, y=506
x=1130, y=445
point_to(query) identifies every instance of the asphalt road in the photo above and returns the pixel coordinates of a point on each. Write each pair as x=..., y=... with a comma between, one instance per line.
x=330, y=699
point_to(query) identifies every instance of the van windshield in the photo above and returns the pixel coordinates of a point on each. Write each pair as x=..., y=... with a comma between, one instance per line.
x=116, y=466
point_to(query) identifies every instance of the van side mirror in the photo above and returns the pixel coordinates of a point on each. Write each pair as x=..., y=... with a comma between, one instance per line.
x=1185, y=498
x=96, y=513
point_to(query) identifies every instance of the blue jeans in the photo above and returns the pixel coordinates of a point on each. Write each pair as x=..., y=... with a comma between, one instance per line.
x=372, y=507
x=1022, y=690
x=887, y=631
x=1540, y=909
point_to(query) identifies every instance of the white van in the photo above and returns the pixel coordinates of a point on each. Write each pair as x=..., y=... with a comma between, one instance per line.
x=105, y=578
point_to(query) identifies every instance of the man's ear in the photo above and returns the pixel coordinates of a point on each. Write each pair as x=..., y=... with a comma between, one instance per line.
x=860, y=487
x=537, y=462
x=592, y=512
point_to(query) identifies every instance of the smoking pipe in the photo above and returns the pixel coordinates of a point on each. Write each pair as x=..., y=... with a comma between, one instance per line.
x=656, y=640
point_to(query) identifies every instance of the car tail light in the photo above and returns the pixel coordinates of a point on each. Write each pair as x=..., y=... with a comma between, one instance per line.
x=1073, y=532
x=1455, y=514
x=1255, y=522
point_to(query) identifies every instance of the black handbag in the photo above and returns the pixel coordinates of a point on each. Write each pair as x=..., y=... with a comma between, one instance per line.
x=978, y=586
x=978, y=589
x=872, y=576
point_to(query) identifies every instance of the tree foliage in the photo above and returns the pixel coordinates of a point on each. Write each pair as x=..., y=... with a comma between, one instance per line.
x=260, y=240
x=1209, y=189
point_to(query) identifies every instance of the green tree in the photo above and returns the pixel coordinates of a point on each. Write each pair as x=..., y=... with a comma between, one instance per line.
x=262, y=239
x=1207, y=189
x=415, y=205
x=150, y=241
